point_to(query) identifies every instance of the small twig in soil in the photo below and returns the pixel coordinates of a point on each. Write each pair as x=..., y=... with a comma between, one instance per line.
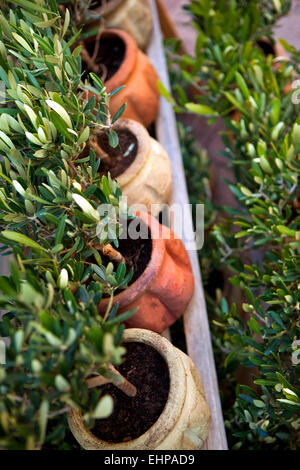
x=97, y=41
x=93, y=142
x=91, y=65
x=112, y=254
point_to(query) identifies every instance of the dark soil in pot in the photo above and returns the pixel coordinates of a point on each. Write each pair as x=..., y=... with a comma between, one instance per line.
x=122, y=156
x=137, y=253
x=266, y=46
x=110, y=55
x=145, y=368
x=99, y=3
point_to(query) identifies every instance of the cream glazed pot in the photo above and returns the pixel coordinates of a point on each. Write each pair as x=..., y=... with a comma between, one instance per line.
x=148, y=180
x=132, y=16
x=185, y=420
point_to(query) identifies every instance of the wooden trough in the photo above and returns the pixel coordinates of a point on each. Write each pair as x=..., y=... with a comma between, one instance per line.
x=196, y=324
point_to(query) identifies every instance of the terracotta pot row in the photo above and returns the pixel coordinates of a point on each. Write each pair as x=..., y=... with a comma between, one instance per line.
x=163, y=285
x=184, y=421
x=144, y=172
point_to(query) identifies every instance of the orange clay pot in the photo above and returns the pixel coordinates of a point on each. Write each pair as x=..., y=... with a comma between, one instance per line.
x=136, y=72
x=164, y=289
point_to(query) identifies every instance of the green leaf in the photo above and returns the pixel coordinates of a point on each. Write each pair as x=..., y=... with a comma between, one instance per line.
x=119, y=113
x=165, y=93
x=34, y=6
x=43, y=419
x=104, y=408
x=22, y=239
x=62, y=384
x=253, y=325
x=242, y=85
x=60, y=110
x=84, y=136
x=113, y=138
x=86, y=207
x=60, y=230
x=286, y=231
x=23, y=43
x=200, y=109
x=60, y=125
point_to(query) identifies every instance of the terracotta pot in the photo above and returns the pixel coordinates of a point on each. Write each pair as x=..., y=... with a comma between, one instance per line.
x=185, y=420
x=136, y=72
x=148, y=179
x=164, y=289
x=132, y=16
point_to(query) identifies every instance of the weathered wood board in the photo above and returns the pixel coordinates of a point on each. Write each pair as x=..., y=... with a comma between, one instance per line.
x=195, y=318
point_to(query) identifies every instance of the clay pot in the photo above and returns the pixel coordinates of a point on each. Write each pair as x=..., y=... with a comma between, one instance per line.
x=165, y=288
x=185, y=420
x=277, y=49
x=132, y=16
x=136, y=72
x=148, y=178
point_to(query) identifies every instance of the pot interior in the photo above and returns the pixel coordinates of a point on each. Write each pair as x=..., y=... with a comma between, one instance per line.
x=137, y=252
x=266, y=46
x=145, y=368
x=121, y=157
x=110, y=55
x=103, y=3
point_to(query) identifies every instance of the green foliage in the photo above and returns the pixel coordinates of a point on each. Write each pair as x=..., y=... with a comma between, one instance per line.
x=50, y=196
x=50, y=191
x=262, y=147
x=57, y=340
x=228, y=33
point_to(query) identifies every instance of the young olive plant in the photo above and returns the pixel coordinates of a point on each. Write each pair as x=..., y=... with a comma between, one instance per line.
x=227, y=35
x=50, y=192
x=49, y=198
x=56, y=342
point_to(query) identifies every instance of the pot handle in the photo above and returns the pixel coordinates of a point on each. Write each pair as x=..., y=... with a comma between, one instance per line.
x=192, y=439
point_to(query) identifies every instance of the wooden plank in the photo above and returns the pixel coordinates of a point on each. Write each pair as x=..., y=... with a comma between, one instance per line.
x=168, y=27
x=4, y=265
x=167, y=334
x=195, y=319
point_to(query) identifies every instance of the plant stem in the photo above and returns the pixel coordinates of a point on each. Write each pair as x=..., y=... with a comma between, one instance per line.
x=122, y=383
x=93, y=142
x=109, y=305
x=112, y=253
x=88, y=60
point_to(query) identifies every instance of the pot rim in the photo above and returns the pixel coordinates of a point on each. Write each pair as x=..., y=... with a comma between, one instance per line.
x=121, y=76
x=144, y=145
x=127, y=65
x=135, y=290
x=277, y=47
x=173, y=407
x=107, y=8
